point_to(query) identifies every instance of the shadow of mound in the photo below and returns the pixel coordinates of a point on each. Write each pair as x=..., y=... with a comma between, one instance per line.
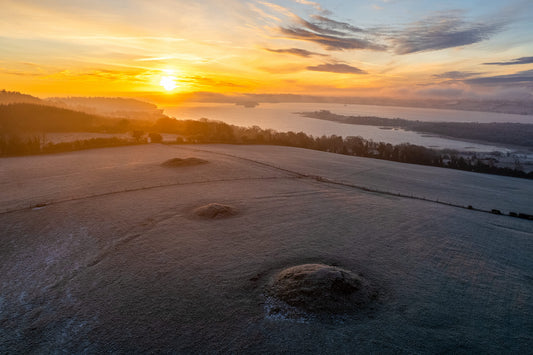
x=320, y=289
x=178, y=162
x=215, y=211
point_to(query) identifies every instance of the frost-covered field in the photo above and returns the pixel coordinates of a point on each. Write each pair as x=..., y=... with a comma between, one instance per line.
x=114, y=260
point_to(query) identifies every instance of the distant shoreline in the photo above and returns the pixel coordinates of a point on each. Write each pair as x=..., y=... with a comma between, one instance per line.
x=506, y=133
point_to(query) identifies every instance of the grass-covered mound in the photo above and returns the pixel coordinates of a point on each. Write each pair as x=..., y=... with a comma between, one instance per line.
x=215, y=211
x=319, y=288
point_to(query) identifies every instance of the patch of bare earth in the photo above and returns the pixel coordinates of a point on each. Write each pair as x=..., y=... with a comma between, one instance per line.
x=179, y=162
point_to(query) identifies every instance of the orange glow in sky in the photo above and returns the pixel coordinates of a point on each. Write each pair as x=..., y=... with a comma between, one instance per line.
x=447, y=49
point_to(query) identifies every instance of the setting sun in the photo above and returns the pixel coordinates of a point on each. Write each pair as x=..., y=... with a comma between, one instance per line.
x=168, y=82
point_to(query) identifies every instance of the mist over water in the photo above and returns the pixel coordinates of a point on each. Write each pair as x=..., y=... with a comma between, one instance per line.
x=283, y=117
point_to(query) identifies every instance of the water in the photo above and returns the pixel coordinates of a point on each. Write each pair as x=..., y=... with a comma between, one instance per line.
x=282, y=117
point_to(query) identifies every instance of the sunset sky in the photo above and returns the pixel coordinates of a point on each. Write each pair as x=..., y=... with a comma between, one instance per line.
x=396, y=48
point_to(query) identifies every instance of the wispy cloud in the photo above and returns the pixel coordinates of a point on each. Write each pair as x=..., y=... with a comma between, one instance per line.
x=522, y=77
x=263, y=14
x=522, y=60
x=154, y=59
x=152, y=38
x=184, y=57
x=455, y=75
x=342, y=26
x=332, y=43
x=288, y=68
x=441, y=31
x=326, y=26
x=337, y=68
x=277, y=8
x=330, y=34
x=296, y=51
x=316, y=5
x=19, y=72
x=208, y=81
x=446, y=30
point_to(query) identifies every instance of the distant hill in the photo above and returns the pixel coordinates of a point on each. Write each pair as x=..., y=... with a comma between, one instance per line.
x=116, y=107
x=27, y=118
x=12, y=97
x=496, y=132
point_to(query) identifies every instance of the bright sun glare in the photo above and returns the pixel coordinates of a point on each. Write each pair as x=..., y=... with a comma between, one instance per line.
x=168, y=82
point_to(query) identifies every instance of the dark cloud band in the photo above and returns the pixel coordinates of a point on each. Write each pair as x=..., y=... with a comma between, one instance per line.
x=295, y=51
x=522, y=60
x=329, y=42
x=446, y=30
x=330, y=34
x=455, y=75
x=441, y=32
x=337, y=68
x=523, y=77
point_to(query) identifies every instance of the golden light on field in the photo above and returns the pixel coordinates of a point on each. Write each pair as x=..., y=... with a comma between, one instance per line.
x=168, y=82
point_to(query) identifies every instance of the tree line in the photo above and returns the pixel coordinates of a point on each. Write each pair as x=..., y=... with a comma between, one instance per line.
x=205, y=131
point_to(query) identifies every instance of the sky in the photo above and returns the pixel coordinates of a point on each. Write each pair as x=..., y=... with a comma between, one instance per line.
x=378, y=48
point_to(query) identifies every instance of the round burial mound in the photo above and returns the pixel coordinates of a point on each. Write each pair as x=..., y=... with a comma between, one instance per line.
x=178, y=162
x=320, y=288
x=215, y=211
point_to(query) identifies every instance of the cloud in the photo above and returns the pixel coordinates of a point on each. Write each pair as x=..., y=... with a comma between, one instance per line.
x=344, y=26
x=295, y=51
x=262, y=13
x=332, y=43
x=181, y=56
x=321, y=27
x=522, y=60
x=282, y=69
x=523, y=77
x=446, y=30
x=206, y=81
x=277, y=8
x=330, y=34
x=18, y=72
x=311, y=3
x=455, y=75
x=337, y=68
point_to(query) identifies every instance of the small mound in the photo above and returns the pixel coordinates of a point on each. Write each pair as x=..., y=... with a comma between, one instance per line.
x=215, y=211
x=319, y=288
x=177, y=162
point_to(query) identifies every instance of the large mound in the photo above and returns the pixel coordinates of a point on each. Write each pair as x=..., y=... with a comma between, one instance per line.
x=320, y=288
x=215, y=211
x=178, y=162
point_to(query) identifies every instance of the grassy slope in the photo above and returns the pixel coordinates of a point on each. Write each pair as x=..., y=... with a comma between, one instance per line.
x=132, y=271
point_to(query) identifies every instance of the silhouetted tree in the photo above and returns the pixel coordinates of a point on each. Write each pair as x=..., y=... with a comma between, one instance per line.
x=155, y=137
